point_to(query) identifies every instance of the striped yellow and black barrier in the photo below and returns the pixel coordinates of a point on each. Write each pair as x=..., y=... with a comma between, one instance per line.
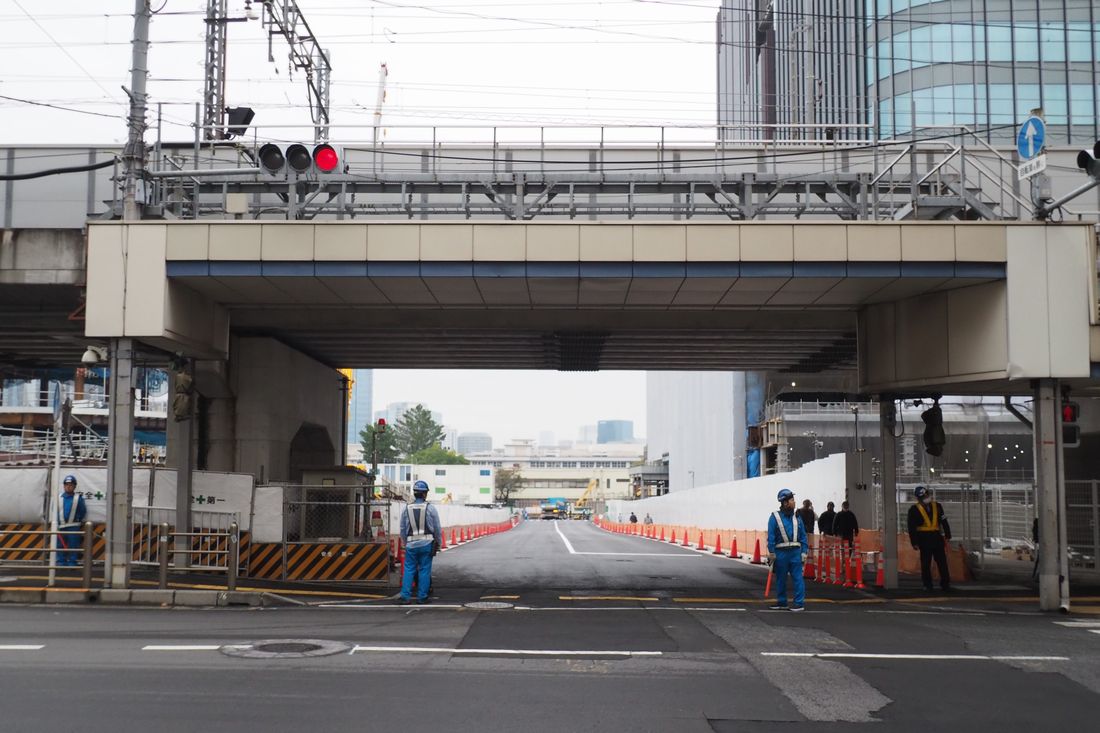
x=320, y=561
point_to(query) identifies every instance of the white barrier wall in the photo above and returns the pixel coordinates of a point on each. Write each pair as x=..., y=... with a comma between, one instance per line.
x=742, y=504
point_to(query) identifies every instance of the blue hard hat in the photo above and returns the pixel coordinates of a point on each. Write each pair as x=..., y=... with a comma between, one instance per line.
x=70, y=479
x=420, y=487
x=785, y=494
x=920, y=492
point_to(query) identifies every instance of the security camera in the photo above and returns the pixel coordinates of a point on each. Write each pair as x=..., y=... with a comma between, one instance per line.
x=94, y=355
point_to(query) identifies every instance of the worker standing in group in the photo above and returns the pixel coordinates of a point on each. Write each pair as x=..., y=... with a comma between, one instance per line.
x=846, y=525
x=787, y=551
x=71, y=512
x=825, y=521
x=929, y=533
x=420, y=530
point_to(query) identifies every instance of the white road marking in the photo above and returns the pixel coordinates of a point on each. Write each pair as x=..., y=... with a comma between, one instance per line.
x=1080, y=624
x=929, y=613
x=569, y=546
x=1094, y=631
x=516, y=652
x=917, y=657
x=403, y=607
x=21, y=647
x=181, y=648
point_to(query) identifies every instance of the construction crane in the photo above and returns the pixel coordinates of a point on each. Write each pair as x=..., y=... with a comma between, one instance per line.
x=279, y=18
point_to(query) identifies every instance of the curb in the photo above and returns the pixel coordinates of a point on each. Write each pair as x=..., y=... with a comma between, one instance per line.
x=141, y=597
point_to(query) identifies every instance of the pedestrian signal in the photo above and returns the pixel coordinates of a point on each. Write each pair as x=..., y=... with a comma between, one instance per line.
x=1071, y=431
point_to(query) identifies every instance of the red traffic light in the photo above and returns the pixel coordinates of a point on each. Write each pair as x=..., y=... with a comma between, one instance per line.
x=1070, y=411
x=325, y=158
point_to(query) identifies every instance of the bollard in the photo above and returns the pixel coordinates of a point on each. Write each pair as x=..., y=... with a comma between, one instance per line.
x=838, y=575
x=89, y=538
x=162, y=556
x=826, y=565
x=813, y=544
x=234, y=557
x=857, y=562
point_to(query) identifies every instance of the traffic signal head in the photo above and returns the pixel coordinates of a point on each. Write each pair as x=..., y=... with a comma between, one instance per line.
x=1071, y=431
x=934, y=437
x=1090, y=162
x=297, y=159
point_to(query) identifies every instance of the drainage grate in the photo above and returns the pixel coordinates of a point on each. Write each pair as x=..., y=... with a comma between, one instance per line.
x=488, y=604
x=285, y=649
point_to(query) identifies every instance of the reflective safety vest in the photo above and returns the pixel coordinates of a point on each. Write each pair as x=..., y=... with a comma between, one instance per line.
x=418, y=537
x=783, y=533
x=931, y=524
x=70, y=520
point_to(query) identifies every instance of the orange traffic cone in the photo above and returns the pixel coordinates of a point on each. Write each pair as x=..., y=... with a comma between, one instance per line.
x=857, y=569
x=880, y=571
x=453, y=542
x=733, y=549
x=821, y=563
x=756, y=553
x=685, y=543
x=662, y=537
x=838, y=576
x=718, y=545
x=701, y=547
x=809, y=569
x=443, y=540
x=673, y=539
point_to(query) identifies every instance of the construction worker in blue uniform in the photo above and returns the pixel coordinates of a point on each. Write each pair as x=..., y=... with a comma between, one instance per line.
x=787, y=551
x=70, y=518
x=420, y=531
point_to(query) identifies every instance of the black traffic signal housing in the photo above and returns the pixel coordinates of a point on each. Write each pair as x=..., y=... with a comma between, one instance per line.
x=1071, y=431
x=297, y=160
x=1090, y=162
x=934, y=437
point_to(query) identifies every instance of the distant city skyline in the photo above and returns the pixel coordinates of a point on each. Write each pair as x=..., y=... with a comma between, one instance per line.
x=510, y=405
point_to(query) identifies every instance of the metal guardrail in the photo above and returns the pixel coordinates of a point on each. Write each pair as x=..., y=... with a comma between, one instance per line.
x=231, y=555
x=50, y=550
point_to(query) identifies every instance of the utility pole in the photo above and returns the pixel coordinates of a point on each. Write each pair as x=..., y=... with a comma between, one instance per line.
x=133, y=157
x=120, y=419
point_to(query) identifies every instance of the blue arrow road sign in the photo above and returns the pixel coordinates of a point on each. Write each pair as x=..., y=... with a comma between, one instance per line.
x=1029, y=142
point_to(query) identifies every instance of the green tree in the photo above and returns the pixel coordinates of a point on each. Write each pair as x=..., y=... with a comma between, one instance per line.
x=507, y=482
x=437, y=455
x=386, y=444
x=416, y=430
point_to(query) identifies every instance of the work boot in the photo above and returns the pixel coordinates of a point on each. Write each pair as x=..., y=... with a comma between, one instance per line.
x=778, y=607
x=797, y=609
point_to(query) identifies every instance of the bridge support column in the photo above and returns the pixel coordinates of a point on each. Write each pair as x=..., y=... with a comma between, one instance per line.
x=1051, y=497
x=120, y=464
x=887, y=421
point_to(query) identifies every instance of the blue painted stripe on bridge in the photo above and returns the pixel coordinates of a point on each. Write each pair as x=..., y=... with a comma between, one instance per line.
x=928, y=269
x=287, y=269
x=874, y=269
x=553, y=269
x=767, y=269
x=996, y=270
x=713, y=269
x=500, y=269
x=393, y=269
x=446, y=269
x=820, y=269
x=606, y=269
x=188, y=269
x=232, y=268
x=660, y=269
x=340, y=269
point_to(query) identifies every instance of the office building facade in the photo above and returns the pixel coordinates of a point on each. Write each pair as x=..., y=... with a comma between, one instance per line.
x=614, y=431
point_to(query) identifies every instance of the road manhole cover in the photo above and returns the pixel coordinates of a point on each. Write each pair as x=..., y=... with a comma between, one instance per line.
x=488, y=604
x=285, y=649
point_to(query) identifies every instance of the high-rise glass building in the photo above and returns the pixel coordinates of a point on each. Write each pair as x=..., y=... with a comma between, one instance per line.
x=984, y=64
x=614, y=431
x=361, y=404
x=905, y=66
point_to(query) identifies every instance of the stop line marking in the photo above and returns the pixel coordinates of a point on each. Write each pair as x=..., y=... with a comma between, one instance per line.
x=916, y=657
x=569, y=546
x=508, y=652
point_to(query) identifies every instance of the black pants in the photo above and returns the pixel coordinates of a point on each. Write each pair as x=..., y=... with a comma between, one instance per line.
x=930, y=547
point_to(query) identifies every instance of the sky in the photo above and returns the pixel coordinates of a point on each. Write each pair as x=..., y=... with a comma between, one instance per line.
x=461, y=65
x=518, y=404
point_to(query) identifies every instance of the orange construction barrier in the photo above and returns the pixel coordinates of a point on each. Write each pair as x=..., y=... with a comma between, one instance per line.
x=756, y=554
x=718, y=544
x=809, y=569
x=857, y=565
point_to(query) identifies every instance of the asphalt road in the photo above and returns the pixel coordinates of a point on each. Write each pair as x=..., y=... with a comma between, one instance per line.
x=552, y=659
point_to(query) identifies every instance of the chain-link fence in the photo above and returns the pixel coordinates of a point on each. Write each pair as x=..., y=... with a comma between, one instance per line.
x=334, y=514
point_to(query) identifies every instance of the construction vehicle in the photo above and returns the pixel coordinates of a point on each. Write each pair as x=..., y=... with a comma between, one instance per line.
x=582, y=507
